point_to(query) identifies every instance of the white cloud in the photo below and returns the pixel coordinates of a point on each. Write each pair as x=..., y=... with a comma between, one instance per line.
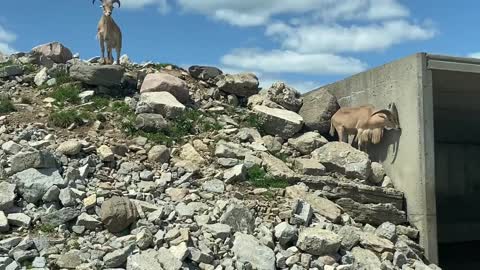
x=301, y=86
x=163, y=5
x=6, y=38
x=279, y=61
x=474, y=55
x=316, y=38
x=254, y=12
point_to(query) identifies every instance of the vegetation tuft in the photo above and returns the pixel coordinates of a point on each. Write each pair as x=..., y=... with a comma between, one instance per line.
x=66, y=94
x=6, y=105
x=65, y=118
x=253, y=120
x=258, y=177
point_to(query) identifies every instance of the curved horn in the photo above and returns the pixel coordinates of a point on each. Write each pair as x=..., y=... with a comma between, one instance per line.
x=385, y=111
x=116, y=1
x=393, y=109
x=93, y=2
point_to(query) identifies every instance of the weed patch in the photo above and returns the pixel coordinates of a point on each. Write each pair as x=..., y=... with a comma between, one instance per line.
x=65, y=118
x=258, y=177
x=66, y=94
x=6, y=105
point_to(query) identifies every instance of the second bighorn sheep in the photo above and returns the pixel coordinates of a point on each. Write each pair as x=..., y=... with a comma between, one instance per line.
x=109, y=33
x=365, y=122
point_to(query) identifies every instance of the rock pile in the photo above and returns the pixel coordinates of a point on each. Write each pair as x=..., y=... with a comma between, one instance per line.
x=195, y=169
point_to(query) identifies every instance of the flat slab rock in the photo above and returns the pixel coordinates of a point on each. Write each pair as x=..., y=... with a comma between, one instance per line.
x=279, y=122
x=163, y=82
x=248, y=249
x=374, y=214
x=162, y=103
x=98, y=75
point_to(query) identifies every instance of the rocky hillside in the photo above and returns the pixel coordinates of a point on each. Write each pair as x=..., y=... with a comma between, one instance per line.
x=149, y=166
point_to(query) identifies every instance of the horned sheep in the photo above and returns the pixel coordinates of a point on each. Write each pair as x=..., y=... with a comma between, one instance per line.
x=364, y=122
x=108, y=32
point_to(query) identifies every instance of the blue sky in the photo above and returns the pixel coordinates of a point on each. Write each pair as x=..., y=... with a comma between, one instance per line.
x=306, y=43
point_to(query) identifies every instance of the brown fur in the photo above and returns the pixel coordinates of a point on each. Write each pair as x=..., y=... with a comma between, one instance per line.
x=108, y=33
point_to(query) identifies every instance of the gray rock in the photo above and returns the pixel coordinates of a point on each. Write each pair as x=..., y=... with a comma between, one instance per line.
x=378, y=173
x=163, y=82
x=150, y=122
x=39, y=262
x=204, y=72
x=277, y=168
x=227, y=162
x=41, y=77
x=387, y=230
x=52, y=194
x=412, y=233
x=32, y=159
x=180, y=251
x=98, y=75
x=162, y=103
x=105, y=153
x=242, y=84
x=19, y=220
x=279, y=122
x=309, y=167
x=307, y=142
x=324, y=207
x=225, y=149
x=286, y=96
x=118, y=257
x=67, y=197
x=11, y=147
x=301, y=213
x=55, y=51
x=184, y=210
x=7, y=195
x=70, y=147
x=350, y=236
x=168, y=260
x=4, y=227
x=286, y=234
x=214, y=186
x=218, y=230
x=399, y=259
x=24, y=255
x=273, y=144
x=86, y=96
x=118, y=213
x=317, y=110
x=365, y=259
x=317, y=241
x=144, y=239
x=247, y=249
x=375, y=243
x=199, y=256
x=60, y=217
x=32, y=184
x=146, y=260
x=343, y=158
x=69, y=260
x=159, y=153
x=87, y=221
x=235, y=174
x=239, y=218
x=11, y=70
x=374, y=214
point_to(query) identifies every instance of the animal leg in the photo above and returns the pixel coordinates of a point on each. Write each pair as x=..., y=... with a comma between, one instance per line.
x=341, y=134
x=102, y=49
x=109, y=56
x=118, y=50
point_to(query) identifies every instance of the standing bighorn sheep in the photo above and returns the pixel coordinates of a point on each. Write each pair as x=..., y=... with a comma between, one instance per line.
x=365, y=122
x=109, y=33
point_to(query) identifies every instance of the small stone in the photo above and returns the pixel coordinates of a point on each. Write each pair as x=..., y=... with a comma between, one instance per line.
x=159, y=153
x=219, y=230
x=70, y=148
x=302, y=213
x=286, y=234
x=7, y=195
x=118, y=257
x=144, y=239
x=378, y=173
x=39, y=262
x=214, y=186
x=235, y=174
x=168, y=260
x=247, y=249
x=4, y=227
x=105, y=153
x=118, y=213
x=87, y=221
x=239, y=218
x=180, y=251
x=90, y=201
x=317, y=241
x=309, y=167
x=52, y=194
x=387, y=230
x=67, y=197
x=11, y=147
x=59, y=217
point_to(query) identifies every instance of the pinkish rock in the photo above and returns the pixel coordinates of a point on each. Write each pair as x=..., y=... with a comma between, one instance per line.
x=163, y=82
x=56, y=51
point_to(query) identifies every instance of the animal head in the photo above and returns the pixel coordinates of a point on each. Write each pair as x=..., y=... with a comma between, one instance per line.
x=389, y=117
x=107, y=6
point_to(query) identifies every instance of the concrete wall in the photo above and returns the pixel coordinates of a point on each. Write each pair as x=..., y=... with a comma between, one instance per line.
x=408, y=83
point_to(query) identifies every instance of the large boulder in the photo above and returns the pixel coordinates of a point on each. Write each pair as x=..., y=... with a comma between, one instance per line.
x=32, y=184
x=163, y=82
x=279, y=122
x=317, y=110
x=162, y=103
x=317, y=241
x=242, y=84
x=32, y=158
x=98, y=75
x=247, y=249
x=343, y=158
x=204, y=72
x=10, y=70
x=56, y=51
x=118, y=213
x=284, y=95
x=307, y=142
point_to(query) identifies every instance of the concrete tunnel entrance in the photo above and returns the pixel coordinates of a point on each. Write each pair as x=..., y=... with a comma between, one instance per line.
x=456, y=109
x=436, y=158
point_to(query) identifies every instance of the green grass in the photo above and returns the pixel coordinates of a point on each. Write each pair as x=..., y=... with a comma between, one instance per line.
x=61, y=77
x=6, y=105
x=47, y=228
x=66, y=94
x=65, y=118
x=98, y=103
x=189, y=123
x=29, y=68
x=258, y=177
x=253, y=120
x=6, y=64
x=282, y=156
x=26, y=100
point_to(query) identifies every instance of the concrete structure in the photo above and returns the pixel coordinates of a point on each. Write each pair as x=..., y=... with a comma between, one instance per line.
x=434, y=159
